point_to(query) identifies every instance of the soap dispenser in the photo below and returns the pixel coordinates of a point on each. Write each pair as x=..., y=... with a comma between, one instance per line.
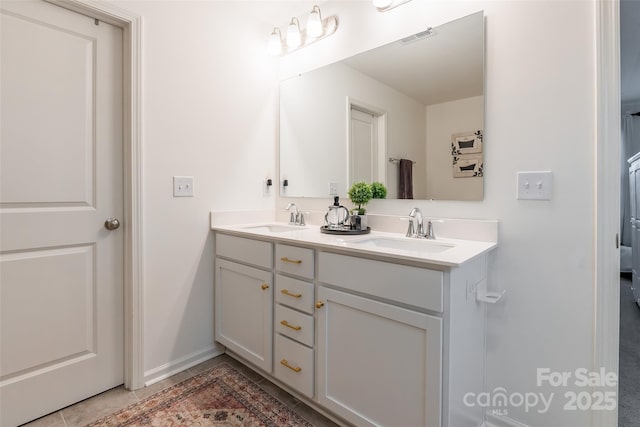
x=337, y=215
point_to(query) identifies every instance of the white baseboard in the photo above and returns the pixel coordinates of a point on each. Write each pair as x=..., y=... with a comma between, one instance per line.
x=175, y=366
x=502, y=421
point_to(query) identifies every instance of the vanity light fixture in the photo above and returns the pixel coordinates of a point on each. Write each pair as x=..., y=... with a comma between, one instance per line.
x=314, y=23
x=385, y=5
x=296, y=38
x=275, y=42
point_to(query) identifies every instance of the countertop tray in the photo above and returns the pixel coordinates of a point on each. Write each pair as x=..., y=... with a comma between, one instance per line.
x=346, y=231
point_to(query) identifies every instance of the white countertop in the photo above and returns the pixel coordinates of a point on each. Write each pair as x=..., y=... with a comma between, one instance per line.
x=460, y=252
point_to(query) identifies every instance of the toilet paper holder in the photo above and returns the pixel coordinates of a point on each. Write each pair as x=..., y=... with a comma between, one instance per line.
x=489, y=297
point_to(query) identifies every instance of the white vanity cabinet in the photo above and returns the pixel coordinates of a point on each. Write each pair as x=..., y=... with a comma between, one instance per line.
x=294, y=322
x=374, y=340
x=275, y=333
x=379, y=363
x=399, y=345
x=244, y=298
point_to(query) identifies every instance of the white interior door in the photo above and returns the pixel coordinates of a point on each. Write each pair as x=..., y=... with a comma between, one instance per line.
x=61, y=278
x=363, y=147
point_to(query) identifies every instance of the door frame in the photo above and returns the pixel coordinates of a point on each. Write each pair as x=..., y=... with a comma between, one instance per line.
x=131, y=25
x=607, y=209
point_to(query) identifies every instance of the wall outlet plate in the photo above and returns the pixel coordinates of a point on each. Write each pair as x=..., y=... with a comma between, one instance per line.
x=534, y=185
x=182, y=186
x=333, y=188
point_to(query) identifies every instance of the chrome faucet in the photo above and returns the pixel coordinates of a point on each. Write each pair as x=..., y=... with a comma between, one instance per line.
x=296, y=217
x=416, y=226
x=417, y=229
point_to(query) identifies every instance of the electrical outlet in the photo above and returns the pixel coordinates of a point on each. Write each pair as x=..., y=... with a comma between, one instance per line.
x=182, y=186
x=333, y=188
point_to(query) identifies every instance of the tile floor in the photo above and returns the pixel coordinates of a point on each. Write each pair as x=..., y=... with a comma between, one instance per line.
x=112, y=400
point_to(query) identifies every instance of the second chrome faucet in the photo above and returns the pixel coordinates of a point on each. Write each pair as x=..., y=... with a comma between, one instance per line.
x=296, y=217
x=416, y=226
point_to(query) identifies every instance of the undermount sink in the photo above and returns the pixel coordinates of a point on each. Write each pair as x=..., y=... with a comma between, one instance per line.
x=405, y=244
x=274, y=228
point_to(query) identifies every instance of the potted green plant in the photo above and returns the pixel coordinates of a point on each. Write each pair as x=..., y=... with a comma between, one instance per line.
x=378, y=190
x=360, y=193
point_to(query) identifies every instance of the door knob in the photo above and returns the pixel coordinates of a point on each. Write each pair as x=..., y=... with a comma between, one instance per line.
x=112, y=224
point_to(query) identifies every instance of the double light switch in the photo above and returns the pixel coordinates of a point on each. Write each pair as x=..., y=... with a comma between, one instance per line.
x=534, y=185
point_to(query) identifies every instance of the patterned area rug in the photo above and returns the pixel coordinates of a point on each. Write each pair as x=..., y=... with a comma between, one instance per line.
x=220, y=396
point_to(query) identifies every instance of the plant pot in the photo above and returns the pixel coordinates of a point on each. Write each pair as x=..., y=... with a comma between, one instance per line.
x=358, y=222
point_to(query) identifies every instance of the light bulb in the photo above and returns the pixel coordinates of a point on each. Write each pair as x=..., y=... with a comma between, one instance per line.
x=332, y=25
x=294, y=38
x=381, y=4
x=314, y=23
x=275, y=42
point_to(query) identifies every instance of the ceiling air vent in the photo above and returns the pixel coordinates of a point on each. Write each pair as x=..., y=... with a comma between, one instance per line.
x=418, y=36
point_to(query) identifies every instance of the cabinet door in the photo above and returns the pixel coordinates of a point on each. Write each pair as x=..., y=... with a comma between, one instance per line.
x=378, y=364
x=244, y=311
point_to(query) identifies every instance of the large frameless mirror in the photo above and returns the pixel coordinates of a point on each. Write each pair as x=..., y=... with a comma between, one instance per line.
x=409, y=114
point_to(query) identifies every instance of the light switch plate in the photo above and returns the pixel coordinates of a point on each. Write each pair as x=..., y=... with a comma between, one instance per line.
x=182, y=186
x=535, y=185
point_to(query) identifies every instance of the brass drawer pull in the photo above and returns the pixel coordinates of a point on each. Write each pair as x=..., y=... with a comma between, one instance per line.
x=286, y=292
x=319, y=304
x=264, y=286
x=285, y=363
x=295, y=328
x=293, y=261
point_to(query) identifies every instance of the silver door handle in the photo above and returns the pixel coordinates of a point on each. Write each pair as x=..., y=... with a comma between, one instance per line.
x=112, y=224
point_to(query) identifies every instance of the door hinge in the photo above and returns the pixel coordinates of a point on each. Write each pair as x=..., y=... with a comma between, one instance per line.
x=617, y=241
x=96, y=21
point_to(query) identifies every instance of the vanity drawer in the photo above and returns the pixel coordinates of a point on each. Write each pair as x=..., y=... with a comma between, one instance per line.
x=294, y=293
x=419, y=287
x=295, y=325
x=294, y=365
x=295, y=260
x=249, y=251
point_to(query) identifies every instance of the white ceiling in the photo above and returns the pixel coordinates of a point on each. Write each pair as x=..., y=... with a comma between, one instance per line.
x=630, y=50
x=414, y=70
x=443, y=67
